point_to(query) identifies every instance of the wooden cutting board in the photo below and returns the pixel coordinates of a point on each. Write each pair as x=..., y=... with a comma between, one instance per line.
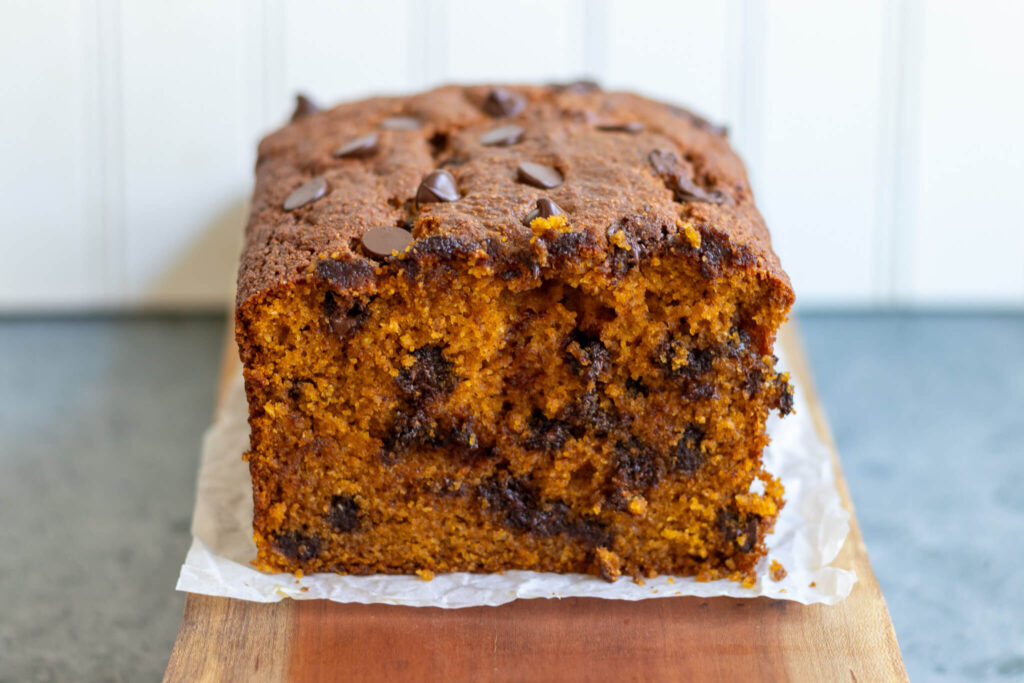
x=574, y=639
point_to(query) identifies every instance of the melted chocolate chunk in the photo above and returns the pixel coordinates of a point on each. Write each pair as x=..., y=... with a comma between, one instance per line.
x=687, y=455
x=518, y=506
x=698, y=361
x=501, y=102
x=538, y=175
x=343, y=514
x=546, y=434
x=306, y=193
x=677, y=177
x=753, y=382
x=637, y=465
x=295, y=390
x=410, y=428
x=345, y=275
x=430, y=376
x=343, y=318
x=297, y=546
x=730, y=526
x=587, y=356
x=785, y=402
x=587, y=414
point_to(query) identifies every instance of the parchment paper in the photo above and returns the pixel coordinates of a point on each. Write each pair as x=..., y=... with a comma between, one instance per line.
x=808, y=535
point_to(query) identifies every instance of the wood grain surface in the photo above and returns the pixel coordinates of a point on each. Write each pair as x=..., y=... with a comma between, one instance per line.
x=574, y=639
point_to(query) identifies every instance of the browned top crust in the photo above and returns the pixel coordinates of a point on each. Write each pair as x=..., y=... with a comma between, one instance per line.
x=630, y=165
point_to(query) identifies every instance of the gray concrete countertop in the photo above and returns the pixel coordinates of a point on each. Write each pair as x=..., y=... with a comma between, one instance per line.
x=100, y=423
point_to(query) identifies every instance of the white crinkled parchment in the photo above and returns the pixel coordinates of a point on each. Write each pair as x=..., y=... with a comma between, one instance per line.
x=808, y=535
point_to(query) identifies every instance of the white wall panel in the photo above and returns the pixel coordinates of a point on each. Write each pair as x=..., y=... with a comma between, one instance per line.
x=819, y=172
x=967, y=239
x=883, y=136
x=187, y=154
x=344, y=50
x=512, y=41
x=684, y=54
x=49, y=256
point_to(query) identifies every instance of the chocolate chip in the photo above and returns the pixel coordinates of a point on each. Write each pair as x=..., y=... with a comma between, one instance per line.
x=518, y=505
x=343, y=317
x=502, y=136
x=687, y=455
x=587, y=356
x=545, y=209
x=637, y=465
x=303, y=107
x=785, y=402
x=698, y=361
x=538, y=175
x=306, y=193
x=343, y=514
x=676, y=176
x=431, y=375
x=437, y=186
x=360, y=147
x=385, y=239
x=345, y=275
x=730, y=526
x=502, y=102
x=401, y=123
x=578, y=87
x=698, y=120
x=297, y=546
x=547, y=434
x=631, y=127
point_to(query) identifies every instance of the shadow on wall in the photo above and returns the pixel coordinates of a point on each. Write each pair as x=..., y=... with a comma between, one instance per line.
x=202, y=276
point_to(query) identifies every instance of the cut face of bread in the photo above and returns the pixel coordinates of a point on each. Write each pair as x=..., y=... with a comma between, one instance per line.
x=564, y=386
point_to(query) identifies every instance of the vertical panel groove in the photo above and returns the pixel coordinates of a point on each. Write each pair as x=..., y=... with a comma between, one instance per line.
x=897, y=156
x=750, y=110
x=901, y=263
x=110, y=131
x=428, y=42
x=595, y=38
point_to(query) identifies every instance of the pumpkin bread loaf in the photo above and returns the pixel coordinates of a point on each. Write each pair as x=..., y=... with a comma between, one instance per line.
x=493, y=328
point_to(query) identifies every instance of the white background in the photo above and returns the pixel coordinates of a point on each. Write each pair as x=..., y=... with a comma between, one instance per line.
x=883, y=137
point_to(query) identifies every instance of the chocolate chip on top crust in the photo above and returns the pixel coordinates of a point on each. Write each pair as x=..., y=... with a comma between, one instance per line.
x=384, y=240
x=437, y=186
x=631, y=127
x=502, y=136
x=306, y=193
x=304, y=107
x=363, y=146
x=608, y=166
x=578, y=87
x=545, y=208
x=676, y=176
x=538, y=175
x=501, y=102
x=401, y=123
